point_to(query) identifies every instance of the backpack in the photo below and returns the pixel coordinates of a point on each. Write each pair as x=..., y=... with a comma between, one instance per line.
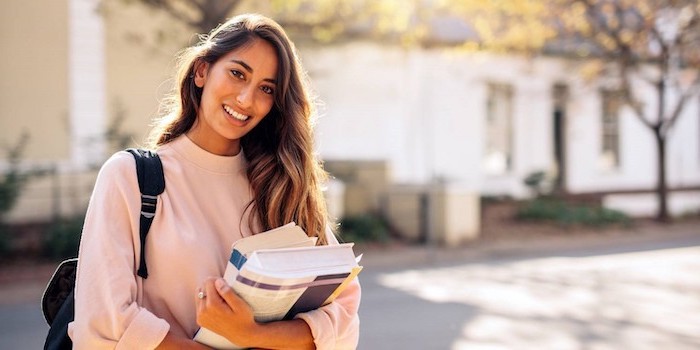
x=57, y=302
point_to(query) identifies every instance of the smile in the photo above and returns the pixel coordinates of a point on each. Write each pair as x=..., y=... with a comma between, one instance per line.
x=235, y=114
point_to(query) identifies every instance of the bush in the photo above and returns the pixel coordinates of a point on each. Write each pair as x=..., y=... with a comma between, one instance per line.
x=364, y=228
x=4, y=240
x=559, y=211
x=63, y=238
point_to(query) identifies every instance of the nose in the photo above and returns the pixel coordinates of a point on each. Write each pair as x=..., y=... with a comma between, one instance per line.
x=245, y=97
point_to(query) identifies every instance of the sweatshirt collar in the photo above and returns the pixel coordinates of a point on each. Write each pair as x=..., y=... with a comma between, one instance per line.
x=209, y=161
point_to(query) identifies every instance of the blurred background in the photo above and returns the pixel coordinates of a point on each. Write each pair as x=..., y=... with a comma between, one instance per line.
x=445, y=124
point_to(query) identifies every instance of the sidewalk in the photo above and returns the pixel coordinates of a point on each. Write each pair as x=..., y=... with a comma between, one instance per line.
x=524, y=245
x=25, y=282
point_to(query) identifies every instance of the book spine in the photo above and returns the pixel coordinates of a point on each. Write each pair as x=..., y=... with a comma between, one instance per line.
x=237, y=259
x=316, y=294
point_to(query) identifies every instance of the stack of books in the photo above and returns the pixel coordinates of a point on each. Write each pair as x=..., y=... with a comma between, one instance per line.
x=282, y=272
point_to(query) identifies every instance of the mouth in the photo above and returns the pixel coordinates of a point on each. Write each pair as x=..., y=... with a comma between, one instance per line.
x=235, y=115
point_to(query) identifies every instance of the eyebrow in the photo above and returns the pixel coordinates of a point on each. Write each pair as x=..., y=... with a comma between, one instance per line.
x=250, y=70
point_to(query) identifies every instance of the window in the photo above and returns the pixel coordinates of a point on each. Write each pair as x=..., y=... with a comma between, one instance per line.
x=610, y=129
x=499, y=115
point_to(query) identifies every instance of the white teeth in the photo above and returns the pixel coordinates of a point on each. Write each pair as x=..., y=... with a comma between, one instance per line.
x=235, y=114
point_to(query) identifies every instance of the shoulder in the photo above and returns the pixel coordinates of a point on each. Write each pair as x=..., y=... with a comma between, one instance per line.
x=119, y=168
x=121, y=161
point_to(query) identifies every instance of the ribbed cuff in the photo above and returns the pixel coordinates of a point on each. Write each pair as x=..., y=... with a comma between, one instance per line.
x=146, y=331
x=319, y=321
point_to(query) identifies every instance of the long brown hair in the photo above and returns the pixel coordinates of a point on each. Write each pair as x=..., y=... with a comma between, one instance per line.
x=283, y=171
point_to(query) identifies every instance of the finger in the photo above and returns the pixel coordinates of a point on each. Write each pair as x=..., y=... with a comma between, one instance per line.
x=201, y=292
x=228, y=295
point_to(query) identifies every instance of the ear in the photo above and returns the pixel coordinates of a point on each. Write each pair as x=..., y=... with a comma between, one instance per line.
x=201, y=69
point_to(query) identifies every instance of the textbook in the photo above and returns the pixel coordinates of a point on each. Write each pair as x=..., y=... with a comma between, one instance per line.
x=282, y=272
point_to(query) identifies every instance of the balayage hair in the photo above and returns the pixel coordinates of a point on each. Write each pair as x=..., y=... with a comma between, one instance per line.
x=283, y=171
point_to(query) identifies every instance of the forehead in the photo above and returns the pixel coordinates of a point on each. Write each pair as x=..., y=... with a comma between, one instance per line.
x=259, y=55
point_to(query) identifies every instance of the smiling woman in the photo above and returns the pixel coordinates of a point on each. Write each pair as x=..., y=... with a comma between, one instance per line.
x=236, y=95
x=236, y=144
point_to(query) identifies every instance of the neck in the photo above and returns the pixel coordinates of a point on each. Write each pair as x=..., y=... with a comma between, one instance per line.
x=214, y=145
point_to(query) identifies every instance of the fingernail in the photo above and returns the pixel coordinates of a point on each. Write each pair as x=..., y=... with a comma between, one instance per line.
x=219, y=283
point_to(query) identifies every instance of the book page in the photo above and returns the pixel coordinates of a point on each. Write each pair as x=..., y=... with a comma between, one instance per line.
x=270, y=298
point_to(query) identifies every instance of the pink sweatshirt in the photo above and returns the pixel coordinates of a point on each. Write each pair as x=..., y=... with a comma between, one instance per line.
x=197, y=220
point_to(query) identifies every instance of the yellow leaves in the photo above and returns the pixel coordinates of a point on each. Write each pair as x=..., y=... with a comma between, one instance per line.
x=627, y=37
x=392, y=18
x=285, y=5
x=327, y=34
x=484, y=27
x=505, y=24
x=591, y=69
x=605, y=41
x=575, y=18
x=523, y=25
x=470, y=46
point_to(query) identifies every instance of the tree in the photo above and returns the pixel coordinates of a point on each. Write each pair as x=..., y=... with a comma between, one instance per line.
x=317, y=20
x=653, y=41
x=656, y=42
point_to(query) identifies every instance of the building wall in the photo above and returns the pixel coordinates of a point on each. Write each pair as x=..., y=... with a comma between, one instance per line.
x=141, y=46
x=34, y=89
x=424, y=110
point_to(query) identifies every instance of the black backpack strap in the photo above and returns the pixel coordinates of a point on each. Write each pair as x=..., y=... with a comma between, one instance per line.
x=149, y=171
x=58, y=338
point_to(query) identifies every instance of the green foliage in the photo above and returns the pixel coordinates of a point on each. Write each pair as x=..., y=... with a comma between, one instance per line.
x=4, y=240
x=547, y=209
x=364, y=228
x=63, y=238
x=13, y=181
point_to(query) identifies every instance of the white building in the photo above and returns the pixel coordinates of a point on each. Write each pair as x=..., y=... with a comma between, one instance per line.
x=486, y=122
x=477, y=121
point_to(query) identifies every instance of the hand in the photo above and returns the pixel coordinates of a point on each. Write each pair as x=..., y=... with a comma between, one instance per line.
x=225, y=313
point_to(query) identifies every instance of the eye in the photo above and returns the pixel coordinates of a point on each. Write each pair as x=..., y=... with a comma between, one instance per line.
x=238, y=74
x=268, y=90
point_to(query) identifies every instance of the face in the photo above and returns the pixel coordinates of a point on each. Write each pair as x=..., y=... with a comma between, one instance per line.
x=237, y=93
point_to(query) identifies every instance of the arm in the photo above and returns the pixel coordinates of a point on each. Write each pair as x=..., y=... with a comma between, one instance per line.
x=106, y=312
x=223, y=312
x=336, y=325
x=174, y=342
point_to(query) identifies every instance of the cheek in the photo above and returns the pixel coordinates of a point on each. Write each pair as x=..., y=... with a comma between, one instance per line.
x=265, y=106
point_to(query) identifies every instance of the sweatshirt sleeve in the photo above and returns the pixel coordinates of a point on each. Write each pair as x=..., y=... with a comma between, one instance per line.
x=107, y=315
x=336, y=325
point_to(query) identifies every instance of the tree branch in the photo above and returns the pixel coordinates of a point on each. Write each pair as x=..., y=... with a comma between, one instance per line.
x=691, y=91
x=632, y=101
x=171, y=10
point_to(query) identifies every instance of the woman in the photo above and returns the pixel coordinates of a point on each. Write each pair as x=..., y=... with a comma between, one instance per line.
x=237, y=152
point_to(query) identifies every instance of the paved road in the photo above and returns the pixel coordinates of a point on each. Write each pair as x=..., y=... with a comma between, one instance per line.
x=624, y=294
